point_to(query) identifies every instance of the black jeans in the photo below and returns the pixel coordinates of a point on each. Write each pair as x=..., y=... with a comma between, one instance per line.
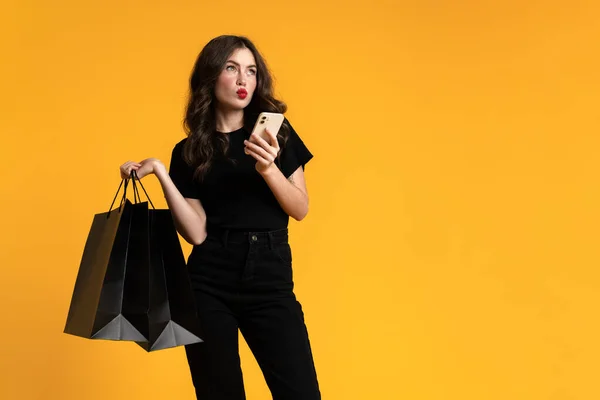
x=243, y=280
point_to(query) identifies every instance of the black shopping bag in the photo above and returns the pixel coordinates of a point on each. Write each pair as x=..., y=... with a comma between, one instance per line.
x=172, y=319
x=172, y=316
x=143, y=292
x=110, y=297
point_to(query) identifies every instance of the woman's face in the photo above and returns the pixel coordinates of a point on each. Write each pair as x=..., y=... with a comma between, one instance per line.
x=237, y=81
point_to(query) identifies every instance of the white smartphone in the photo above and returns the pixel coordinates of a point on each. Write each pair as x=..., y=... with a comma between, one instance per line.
x=266, y=120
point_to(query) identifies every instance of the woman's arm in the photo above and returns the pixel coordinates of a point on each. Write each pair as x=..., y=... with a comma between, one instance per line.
x=188, y=214
x=290, y=193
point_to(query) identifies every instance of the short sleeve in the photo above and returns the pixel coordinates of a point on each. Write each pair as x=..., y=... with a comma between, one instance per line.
x=295, y=154
x=182, y=174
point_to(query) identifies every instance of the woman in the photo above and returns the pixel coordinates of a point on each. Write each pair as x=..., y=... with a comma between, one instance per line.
x=231, y=195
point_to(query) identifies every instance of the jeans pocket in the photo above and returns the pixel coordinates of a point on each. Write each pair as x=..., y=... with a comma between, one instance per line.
x=283, y=251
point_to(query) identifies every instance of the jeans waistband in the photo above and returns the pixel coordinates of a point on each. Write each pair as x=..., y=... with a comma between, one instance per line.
x=242, y=236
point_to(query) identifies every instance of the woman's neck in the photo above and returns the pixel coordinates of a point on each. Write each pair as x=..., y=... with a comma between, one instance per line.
x=229, y=120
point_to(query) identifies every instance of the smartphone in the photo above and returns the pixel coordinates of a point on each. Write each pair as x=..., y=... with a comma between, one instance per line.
x=272, y=121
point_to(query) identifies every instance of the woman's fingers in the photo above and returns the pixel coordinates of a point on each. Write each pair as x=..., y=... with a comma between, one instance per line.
x=265, y=150
x=127, y=168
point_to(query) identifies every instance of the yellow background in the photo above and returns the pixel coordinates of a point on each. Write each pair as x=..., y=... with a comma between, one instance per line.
x=451, y=248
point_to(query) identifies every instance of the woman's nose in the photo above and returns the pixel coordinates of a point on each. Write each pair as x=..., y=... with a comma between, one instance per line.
x=241, y=79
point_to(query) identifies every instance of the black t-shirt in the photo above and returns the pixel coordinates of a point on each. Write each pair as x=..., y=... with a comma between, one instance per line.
x=235, y=195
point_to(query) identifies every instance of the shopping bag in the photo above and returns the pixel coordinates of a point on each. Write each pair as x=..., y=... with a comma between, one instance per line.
x=133, y=283
x=110, y=297
x=172, y=317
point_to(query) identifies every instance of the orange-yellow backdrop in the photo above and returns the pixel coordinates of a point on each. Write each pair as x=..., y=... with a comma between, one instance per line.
x=451, y=248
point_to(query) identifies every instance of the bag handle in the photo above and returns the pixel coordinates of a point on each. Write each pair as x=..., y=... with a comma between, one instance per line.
x=136, y=193
x=126, y=181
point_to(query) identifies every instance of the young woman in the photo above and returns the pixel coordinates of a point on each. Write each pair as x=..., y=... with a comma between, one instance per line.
x=231, y=195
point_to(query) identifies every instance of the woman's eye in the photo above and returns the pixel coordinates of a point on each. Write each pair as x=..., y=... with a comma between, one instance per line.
x=230, y=68
x=252, y=72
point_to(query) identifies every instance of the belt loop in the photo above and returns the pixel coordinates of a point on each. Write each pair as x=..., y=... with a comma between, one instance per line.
x=225, y=237
x=270, y=238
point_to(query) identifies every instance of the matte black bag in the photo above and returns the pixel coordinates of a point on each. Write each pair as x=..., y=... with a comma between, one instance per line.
x=172, y=316
x=133, y=283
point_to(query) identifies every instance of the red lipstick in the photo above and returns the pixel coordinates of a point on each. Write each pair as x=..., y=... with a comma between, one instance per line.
x=242, y=93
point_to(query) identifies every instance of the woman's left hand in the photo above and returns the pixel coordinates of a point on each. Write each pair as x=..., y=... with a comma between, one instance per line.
x=265, y=152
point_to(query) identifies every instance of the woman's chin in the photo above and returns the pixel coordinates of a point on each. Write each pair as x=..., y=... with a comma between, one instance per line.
x=233, y=106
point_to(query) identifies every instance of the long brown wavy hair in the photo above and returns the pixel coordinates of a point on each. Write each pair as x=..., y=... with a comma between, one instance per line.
x=204, y=144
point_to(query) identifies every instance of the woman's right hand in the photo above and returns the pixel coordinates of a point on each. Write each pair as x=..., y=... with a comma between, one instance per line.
x=126, y=169
x=143, y=168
